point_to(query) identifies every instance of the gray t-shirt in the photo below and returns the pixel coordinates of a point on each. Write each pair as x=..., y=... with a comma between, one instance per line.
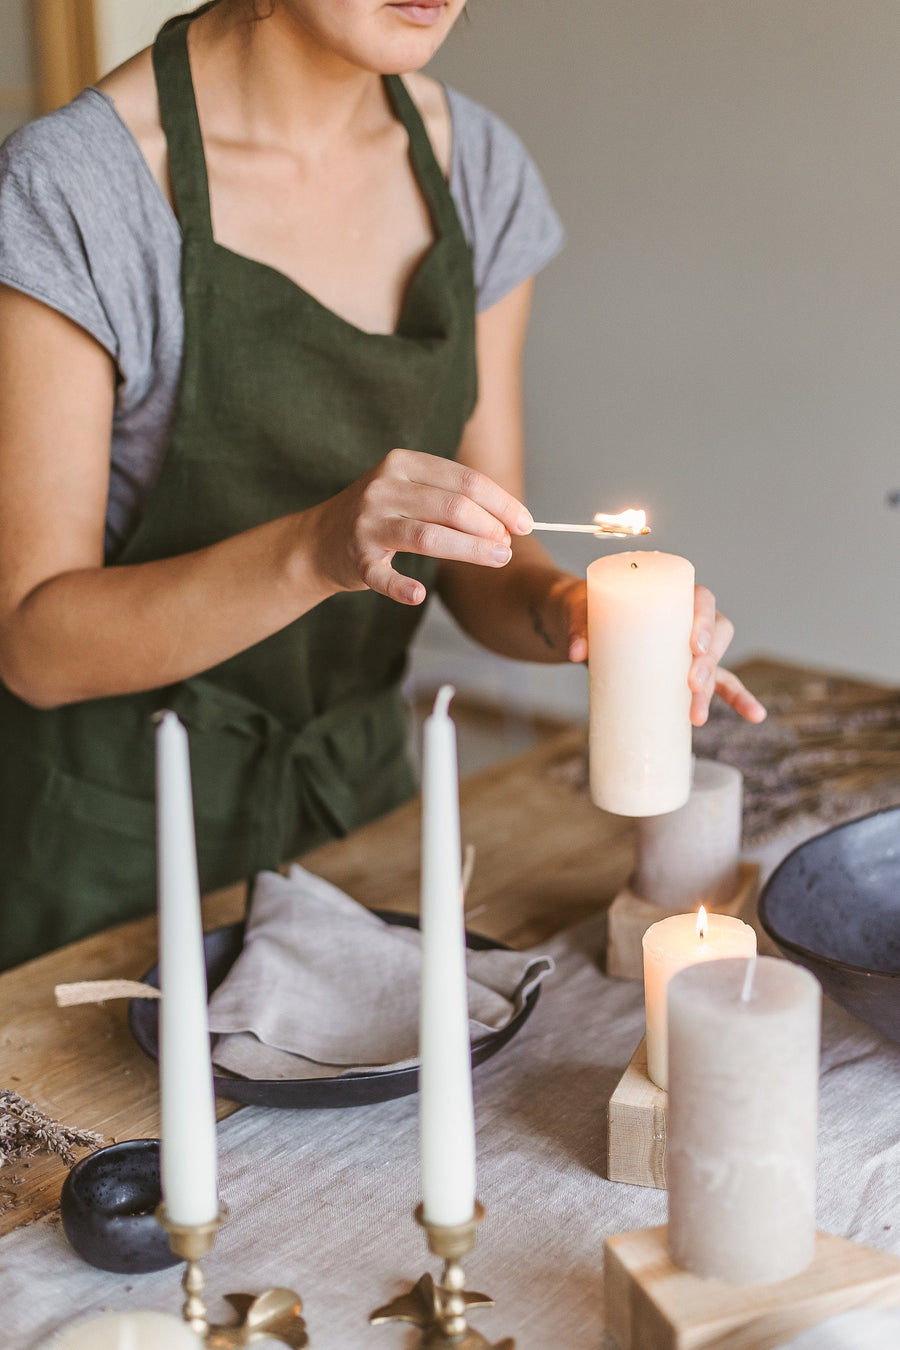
x=85, y=228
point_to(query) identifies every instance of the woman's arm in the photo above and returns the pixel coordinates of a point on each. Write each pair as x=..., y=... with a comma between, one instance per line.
x=532, y=610
x=72, y=629
x=522, y=613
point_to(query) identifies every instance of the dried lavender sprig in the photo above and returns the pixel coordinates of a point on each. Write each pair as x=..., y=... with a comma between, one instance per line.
x=26, y=1130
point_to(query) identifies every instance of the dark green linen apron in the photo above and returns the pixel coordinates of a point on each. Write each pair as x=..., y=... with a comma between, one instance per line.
x=282, y=404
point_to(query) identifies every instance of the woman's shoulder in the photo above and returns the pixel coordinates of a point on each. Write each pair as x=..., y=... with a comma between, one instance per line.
x=501, y=198
x=82, y=159
x=83, y=225
x=462, y=132
x=67, y=147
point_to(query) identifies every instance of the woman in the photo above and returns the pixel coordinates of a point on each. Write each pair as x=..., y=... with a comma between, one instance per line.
x=308, y=434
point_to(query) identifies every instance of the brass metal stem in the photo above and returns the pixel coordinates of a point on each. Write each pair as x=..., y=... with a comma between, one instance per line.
x=192, y=1242
x=441, y=1309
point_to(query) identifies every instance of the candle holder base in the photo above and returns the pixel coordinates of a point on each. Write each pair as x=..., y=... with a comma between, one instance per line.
x=636, y=1134
x=653, y=1305
x=273, y=1315
x=630, y=917
x=440, y=1309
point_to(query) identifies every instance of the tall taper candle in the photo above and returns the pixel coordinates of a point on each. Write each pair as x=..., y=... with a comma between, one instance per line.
x=640, y=615
x=741, y=1148
x=447, y=1122
x=188, y=1143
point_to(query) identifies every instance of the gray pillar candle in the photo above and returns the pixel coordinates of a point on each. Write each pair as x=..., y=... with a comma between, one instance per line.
x=741, y=1148
x=689, y=857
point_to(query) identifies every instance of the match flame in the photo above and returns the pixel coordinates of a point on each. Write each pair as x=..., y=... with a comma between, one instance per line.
x=626, y=522
x=702, y=922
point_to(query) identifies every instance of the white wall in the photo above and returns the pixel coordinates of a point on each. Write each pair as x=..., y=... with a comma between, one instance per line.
x=17, y=94
x=126, y=26
x=720, y=342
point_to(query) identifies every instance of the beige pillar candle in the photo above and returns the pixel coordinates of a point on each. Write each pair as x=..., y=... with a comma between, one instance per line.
x=689, y=857
x=640, y=615
x=741, y=1149
x=669, y=946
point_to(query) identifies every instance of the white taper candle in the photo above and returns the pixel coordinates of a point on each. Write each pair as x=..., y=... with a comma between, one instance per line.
x=447, y=1122
x=188, y=1142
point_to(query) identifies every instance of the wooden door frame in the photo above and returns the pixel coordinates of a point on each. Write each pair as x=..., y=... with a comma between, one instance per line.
x=65, y=35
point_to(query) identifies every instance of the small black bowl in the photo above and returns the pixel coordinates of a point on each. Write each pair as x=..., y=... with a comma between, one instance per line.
x=107, y=1206
x=834, y=906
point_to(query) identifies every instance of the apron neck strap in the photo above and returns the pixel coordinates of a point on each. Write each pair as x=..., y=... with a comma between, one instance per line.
x=181, y=125
x=427, y=170
x=187, y=161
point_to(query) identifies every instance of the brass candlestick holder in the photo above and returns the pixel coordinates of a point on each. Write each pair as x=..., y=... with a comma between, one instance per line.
x=440, y=1309
x=275, y=1314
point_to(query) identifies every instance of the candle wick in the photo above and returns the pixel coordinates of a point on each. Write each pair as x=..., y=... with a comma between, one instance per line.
x=748, y=980
x=442, y=701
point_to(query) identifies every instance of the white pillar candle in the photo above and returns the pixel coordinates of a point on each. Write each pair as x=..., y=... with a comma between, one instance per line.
x=127, y=1331
x=188, y=1135
x=690, y=857
x=640, y=615
x=447, y=1122
x=669, y=946
x=741, y=1150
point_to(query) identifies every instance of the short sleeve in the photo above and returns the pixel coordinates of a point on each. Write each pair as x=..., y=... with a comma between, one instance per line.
x=502, y=201
x=46, y=195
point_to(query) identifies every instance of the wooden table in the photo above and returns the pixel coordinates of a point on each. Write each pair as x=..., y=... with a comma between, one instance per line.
x=546, y=857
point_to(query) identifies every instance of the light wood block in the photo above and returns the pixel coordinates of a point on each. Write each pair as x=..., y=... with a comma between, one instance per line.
x=636, y=1135
x=630, y=917
x=652, y=1305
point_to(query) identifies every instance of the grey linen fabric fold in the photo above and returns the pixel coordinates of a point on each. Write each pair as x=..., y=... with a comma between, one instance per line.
x=324, y=987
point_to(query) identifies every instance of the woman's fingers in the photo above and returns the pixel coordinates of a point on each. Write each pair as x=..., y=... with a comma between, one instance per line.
x=440, y=506
x=381, y=577
x=710, y=639
x=730, y=688
x=576, y=598
x=440, y=541
x=460, y=480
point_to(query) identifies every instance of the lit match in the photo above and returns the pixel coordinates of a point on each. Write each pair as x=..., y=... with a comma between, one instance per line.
x=623, y=525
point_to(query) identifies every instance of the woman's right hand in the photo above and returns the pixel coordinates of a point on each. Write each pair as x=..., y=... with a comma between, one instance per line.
x=413, y=503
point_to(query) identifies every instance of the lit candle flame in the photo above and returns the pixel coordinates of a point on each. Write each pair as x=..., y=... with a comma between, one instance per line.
x=702, y=922
x=626, y=522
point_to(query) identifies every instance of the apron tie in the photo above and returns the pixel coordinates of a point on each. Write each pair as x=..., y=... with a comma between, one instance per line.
x=315, y=769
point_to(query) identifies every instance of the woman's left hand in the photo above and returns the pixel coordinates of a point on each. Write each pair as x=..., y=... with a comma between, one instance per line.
x=710, y=638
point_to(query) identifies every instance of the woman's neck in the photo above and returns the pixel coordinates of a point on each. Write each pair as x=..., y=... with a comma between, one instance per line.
x=273, y=82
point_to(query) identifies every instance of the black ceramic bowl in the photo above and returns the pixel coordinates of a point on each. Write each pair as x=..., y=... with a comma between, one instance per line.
x=834, y=906
x=107, y=1206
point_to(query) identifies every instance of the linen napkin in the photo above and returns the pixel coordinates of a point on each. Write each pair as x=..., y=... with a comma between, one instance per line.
x=323, y=987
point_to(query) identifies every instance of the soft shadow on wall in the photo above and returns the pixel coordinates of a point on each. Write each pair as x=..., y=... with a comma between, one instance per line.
x=719, y=340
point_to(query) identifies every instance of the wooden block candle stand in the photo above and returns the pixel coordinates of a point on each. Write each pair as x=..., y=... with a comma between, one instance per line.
x=636, y=1137
x=653, y=1305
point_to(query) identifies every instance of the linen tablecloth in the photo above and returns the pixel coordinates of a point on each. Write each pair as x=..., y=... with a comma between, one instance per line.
x=322, y=1201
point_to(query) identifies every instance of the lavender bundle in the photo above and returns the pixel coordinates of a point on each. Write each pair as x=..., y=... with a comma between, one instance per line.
x=26, y=1130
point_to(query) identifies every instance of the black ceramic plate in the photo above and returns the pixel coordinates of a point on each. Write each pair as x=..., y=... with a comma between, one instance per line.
x=222, y=947
x=833, y=906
